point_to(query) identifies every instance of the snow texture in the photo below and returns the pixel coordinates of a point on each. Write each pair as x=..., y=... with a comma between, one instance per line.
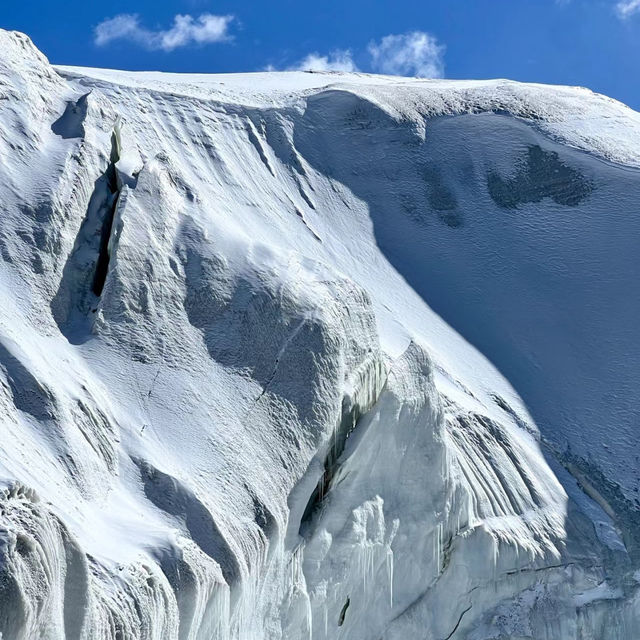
x=315, y=355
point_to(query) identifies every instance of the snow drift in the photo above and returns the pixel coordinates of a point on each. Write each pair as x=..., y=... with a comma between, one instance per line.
x=298, y=355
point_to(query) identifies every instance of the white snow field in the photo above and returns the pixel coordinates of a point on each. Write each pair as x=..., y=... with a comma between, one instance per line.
x=316, y=356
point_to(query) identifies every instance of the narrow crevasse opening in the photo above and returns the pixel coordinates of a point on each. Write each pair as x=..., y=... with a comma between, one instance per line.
x=348, y=423
x=104, y=254
x=85, y=272
x=370, y=380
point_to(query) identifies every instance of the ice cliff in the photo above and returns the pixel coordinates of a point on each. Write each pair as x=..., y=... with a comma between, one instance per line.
x=294, y=355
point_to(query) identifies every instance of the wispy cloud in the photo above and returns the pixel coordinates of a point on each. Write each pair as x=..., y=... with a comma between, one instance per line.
x=627, y=8
x=204, y=29
x=409, y=54
x=338, y=60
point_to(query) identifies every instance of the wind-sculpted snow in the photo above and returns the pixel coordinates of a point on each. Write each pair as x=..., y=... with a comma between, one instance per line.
x=263, y=344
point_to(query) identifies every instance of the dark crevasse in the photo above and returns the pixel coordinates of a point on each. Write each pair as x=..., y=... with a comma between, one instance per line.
x=111, y=175
x=370, y=381
x=85, y=272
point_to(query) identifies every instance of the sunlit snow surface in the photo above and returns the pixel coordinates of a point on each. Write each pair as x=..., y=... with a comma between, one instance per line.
x=316, y=355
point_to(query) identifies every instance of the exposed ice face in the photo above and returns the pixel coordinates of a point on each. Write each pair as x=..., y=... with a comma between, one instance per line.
x=228, y=411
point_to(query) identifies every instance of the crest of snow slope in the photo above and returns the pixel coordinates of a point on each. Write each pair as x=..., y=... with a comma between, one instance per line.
x=239, y=393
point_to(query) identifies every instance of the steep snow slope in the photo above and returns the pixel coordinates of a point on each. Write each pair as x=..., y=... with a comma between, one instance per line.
x=263, y=343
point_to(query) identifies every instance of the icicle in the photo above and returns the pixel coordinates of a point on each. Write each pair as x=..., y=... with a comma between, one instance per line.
x=326, y=619
x=436, y=549
x=222, y=614
x=389, y=560
x=309, y=618
x=435, y=546
x=439, y=548
x=370, y=564
x=365, y=565
x=495, y=559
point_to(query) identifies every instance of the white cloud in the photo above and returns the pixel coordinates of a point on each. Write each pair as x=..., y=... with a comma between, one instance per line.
x=339, y=60
x=409, y=54
x=185, y=30
x=626, y=8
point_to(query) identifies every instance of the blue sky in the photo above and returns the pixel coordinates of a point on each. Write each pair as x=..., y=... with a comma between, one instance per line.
x=593, y=43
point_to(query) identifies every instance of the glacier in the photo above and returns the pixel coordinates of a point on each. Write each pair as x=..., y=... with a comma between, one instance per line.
x=316, y=355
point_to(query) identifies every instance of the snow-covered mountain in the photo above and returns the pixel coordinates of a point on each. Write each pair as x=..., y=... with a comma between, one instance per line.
x=316, y=355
